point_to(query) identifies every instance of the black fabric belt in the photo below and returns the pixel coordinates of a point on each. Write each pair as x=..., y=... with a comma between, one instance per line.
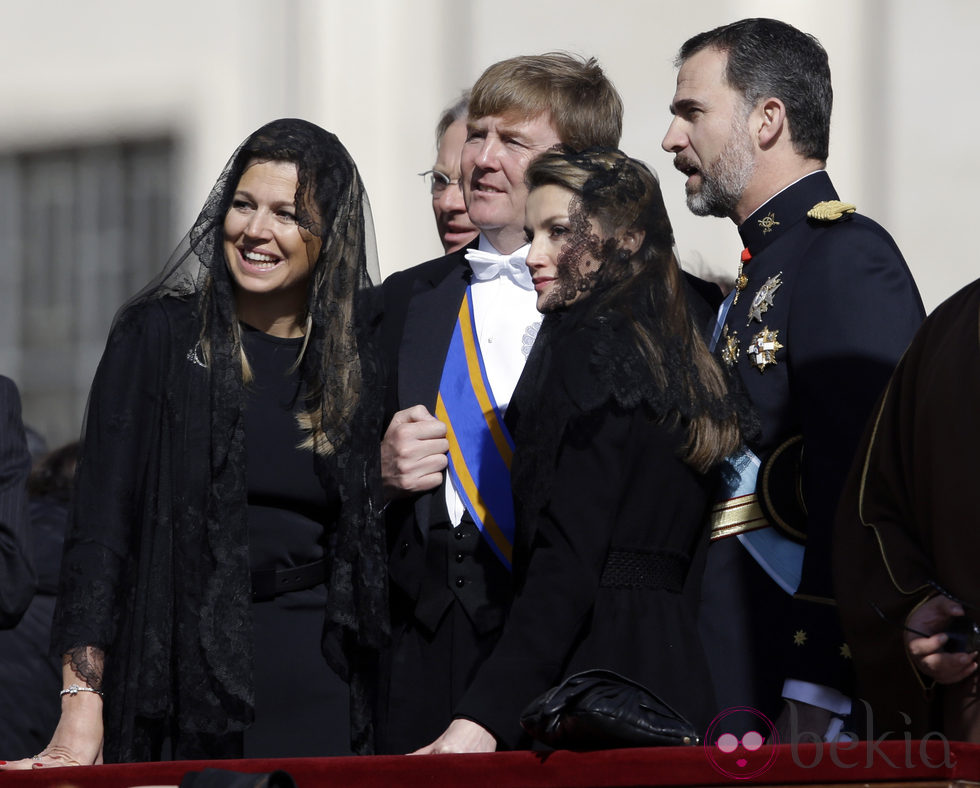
x=662, y=571
x=269, y=583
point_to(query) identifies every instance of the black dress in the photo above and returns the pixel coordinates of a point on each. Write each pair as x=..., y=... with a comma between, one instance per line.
x=609, y=519
x=156, y=566
x=301, y=705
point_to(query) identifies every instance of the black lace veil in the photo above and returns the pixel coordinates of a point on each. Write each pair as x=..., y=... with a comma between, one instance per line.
x=193, y=671
x=623, y=321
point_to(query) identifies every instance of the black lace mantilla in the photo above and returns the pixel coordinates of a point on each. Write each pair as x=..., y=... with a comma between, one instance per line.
x=585, y=357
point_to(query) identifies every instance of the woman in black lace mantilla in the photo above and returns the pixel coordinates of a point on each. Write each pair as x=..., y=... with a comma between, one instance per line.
x=621, y=416
x=225, y=535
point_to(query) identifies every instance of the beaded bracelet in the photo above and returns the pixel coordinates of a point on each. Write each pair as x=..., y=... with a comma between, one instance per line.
x=74, y=689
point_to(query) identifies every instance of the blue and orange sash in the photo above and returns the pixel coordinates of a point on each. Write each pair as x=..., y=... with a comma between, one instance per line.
x=480, y=447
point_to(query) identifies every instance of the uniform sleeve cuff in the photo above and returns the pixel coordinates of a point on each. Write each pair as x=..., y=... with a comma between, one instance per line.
x=817, y=695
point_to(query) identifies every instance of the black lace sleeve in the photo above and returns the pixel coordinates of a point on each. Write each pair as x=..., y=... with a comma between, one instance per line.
x=124, y=402
x=88, y=664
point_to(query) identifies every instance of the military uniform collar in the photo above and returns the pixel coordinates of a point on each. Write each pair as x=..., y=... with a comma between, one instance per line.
x=782, y=211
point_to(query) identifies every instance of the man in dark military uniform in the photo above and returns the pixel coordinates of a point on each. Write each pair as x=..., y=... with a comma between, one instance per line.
x=824, y=306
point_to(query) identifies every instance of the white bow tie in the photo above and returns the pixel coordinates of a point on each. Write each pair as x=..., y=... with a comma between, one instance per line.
x=490, y=265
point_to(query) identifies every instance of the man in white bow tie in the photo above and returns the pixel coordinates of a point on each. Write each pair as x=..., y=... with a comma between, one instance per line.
x=457, y=332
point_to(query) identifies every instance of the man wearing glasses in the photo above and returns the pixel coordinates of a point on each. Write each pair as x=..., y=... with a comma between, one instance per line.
x=453, y=223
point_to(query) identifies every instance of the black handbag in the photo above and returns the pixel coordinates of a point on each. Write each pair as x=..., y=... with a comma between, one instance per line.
x=599, y=709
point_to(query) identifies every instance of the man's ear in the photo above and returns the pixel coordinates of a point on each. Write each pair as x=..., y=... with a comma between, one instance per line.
x=772, y=122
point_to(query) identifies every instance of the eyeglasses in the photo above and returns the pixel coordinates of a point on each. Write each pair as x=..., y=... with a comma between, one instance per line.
x=438, y=181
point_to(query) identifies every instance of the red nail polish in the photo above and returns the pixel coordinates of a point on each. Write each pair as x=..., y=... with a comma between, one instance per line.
x=3, y=763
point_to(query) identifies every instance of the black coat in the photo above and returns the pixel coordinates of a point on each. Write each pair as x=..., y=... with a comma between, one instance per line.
x=29, y=702
x=908, y=515
x=16, y=572
x=613, y=497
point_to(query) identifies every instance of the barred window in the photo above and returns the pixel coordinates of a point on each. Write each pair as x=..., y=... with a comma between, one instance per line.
x=81, y=229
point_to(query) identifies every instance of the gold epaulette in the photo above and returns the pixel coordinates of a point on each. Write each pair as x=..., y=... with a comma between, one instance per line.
x=830, y=211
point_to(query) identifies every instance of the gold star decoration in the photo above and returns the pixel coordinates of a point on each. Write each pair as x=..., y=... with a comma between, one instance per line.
x=845, y=651
x=768, y=223
x=729, y=348
x=799, y=637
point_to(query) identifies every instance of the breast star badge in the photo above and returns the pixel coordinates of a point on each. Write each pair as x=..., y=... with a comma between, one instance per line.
x=799, y=637
x=762, y=350
x=768, y=223
x=763, y=298
x=729, y=347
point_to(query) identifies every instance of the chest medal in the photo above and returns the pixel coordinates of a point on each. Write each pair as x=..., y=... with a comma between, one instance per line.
x=729, y=347
x=763, y=298
x=741, y=280
x=762, y=350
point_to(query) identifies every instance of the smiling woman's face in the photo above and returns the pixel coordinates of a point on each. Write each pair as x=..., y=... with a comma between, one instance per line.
x=267, y=251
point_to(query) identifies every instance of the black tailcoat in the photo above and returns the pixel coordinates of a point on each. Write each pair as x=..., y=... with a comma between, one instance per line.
x=449, y=591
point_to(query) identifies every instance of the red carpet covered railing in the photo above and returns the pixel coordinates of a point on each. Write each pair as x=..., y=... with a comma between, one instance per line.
x=892, y=763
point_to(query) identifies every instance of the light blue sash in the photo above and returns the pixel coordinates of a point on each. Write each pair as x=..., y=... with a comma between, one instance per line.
x=738, y=514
